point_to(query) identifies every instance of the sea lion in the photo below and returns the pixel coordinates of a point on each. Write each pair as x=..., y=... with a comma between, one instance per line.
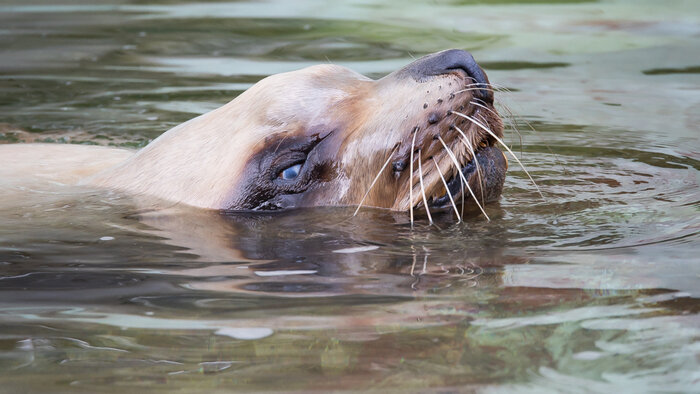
x=424, y=135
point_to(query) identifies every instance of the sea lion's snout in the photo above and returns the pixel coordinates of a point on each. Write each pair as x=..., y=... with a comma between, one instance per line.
x=448, y=61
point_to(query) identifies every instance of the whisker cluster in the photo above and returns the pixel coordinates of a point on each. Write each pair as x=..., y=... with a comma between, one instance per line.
x=459, y=171
x=422, y=188
x=500, y=141
x=476, y=119
x=449, y=193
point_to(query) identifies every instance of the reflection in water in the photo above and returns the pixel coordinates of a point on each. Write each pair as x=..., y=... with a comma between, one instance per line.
x=284, y=297
x=594, y=289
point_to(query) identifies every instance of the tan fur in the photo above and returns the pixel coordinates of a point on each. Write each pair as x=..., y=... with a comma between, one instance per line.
x=199, y=161
x=28, y=164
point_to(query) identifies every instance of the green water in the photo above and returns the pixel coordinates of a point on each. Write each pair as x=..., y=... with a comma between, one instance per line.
x=594, y=289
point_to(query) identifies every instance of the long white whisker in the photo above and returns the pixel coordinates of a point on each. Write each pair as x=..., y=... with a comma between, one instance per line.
x=459, y=171
x=473, y=89
x=461, y=189
x=481, y=84
x=374, y=181
x=493, y=86
x=511, y=115
x=425, y=199
x=447, y=188
x=473, y=152
x=410, y=184
x=476, y=122
x=515, y=118
x=509, y=118
x=501, y=88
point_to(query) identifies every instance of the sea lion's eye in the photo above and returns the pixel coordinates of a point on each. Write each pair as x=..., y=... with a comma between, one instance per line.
x=290, y=172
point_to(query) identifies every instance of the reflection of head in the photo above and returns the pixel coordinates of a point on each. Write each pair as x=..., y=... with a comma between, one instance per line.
x=311, y=252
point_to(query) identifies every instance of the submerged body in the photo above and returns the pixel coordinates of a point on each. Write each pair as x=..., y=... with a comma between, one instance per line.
x=322, y=136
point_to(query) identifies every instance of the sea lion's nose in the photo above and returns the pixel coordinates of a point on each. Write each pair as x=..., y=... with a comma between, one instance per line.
x=447, y=61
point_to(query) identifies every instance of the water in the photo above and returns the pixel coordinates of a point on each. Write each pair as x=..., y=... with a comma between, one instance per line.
x=594, y=289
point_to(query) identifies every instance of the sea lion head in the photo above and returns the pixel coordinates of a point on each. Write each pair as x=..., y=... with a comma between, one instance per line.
x=326, y=135
x=335, y=131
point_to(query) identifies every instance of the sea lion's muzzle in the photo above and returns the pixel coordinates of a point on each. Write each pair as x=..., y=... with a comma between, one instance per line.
x=444, y=151
x=485, y=168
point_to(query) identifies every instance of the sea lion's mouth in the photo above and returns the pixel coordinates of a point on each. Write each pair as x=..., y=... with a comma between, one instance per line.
x=484, y=174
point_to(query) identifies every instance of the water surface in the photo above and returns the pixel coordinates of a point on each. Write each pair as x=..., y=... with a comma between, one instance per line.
x=594, y=289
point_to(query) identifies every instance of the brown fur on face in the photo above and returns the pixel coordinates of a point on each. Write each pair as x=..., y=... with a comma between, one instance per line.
x=339, y=125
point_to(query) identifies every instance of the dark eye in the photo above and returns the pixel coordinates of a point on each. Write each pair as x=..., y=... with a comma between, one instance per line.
x=290, y=172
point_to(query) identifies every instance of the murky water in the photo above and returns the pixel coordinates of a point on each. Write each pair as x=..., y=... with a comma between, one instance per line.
x=593, y=290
